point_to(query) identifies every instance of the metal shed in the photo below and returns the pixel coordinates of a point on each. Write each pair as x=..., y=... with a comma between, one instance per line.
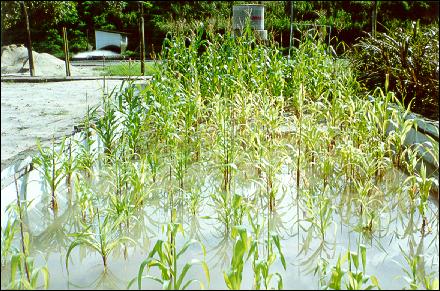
x=111, y=40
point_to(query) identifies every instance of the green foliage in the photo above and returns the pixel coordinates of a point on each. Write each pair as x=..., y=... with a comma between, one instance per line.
x=354, y=279
x=242, y=246
x=129, y=69
x=100, y=236
x=24, y=274
x=409, y=55
x=167, y=260
x=50, y=164
x=20, y=265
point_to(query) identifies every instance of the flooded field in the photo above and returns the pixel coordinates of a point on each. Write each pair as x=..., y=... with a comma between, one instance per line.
x=233, y=168
x=315, y=228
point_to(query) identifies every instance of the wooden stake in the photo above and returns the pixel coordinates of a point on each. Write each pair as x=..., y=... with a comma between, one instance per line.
x=374, y=19
x=142, y=40
x=66, y=52
x=29, y=44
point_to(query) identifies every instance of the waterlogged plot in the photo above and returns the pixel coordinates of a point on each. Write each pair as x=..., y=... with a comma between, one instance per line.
x=233, y=168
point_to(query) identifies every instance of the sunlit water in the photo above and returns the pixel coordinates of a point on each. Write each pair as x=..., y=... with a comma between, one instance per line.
x=396, y=228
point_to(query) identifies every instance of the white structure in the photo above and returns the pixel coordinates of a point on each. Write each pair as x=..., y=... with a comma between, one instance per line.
x=105, y=39
x=254, y=13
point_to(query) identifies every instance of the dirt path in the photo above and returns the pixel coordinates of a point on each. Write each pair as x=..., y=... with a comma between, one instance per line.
x=39, y=110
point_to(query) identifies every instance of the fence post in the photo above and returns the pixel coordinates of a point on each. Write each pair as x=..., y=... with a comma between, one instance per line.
x=374, y=19
x=291, y=20
x=29, y=45
x=142, y=39
x=66, y=52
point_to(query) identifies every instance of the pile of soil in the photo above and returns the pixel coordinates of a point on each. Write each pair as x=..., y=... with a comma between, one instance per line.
x=15, y=60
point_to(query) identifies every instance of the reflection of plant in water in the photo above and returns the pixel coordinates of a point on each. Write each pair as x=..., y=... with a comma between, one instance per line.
x=100, y=236
x=105, y=280
x=415, y=270
x=167, y=260
x=54, y=238
x=316, y=262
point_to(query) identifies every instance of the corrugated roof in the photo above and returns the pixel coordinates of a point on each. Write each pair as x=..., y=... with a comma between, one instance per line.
x=112, y=31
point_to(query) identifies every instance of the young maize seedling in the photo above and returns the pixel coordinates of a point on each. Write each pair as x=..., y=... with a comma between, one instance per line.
x=167, y=262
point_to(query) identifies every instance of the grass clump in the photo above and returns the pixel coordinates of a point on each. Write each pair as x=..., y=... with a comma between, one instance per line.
x=128, y=68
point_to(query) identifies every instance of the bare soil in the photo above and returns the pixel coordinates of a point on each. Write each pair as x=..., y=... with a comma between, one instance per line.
x=31, y=111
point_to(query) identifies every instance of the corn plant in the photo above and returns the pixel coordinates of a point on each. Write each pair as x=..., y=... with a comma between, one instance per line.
x=85, y=157
x=7, y=238
x=21, y=261
x=84, y=199
x=261, y=265
x=69, y=165
x=27, y=278
x=107, y=126
x=167, y=262
x=49, y=163
x=130, y=105
x=230, y=209
x=100, y=236
x=242, y=245
x=355, y=279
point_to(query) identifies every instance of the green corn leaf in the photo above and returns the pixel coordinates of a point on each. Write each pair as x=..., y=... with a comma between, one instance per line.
x=185, y=270
x=15, y=263
x=355, y=259
x=226, y=276
x=276, y=240
x=69, y=250
x=280, y=281
x=364, y=256
x=167, y=284
x=45, y=272
x=202, y=286
x=206, y=270
x=141, y=270
x=187, y=245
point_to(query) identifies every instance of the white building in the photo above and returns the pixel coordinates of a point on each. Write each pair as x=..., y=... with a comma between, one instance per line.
x=105, y=39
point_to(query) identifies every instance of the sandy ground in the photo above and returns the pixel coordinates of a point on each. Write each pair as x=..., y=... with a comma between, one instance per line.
x=31, y=111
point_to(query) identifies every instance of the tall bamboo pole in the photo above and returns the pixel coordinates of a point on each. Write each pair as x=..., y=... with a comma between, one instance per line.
x=29, y=42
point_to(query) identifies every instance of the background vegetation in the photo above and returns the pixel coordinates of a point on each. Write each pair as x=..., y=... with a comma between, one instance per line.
x=348, y=18
x=349, y=21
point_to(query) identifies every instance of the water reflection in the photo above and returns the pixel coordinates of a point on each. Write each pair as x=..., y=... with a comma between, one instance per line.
x=105, y=280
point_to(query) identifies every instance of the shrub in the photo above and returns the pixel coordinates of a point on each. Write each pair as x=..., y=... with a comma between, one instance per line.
x=410, y=56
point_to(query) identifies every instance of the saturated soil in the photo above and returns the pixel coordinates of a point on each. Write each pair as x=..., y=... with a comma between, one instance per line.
x=31, y=111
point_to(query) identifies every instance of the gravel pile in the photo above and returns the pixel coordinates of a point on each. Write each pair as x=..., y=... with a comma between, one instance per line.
x=14, y=60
